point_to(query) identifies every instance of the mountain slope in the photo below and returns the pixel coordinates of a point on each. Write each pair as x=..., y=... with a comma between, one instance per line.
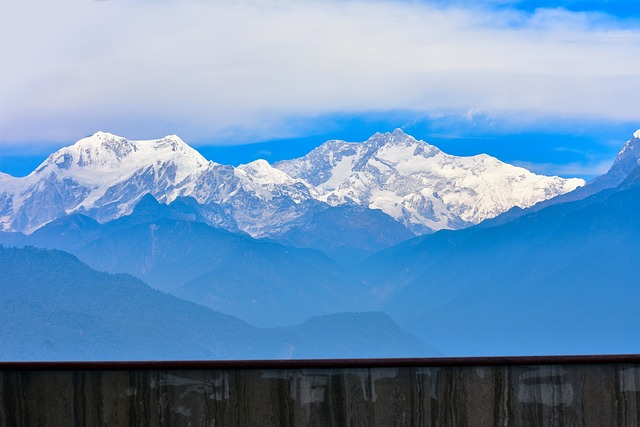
x=104, y=176
x=262, y=282
x=346, y=233
x=53, y=307
x=555, y=281
x=627, y=159
x=57, y=308
x=348, y=334
x=419, y=185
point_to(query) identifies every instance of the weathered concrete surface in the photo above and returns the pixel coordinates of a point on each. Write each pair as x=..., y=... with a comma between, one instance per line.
x=605, y=394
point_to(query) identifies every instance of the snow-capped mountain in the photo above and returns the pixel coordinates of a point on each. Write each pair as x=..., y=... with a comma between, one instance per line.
x=262, y=200
x=104, y=176
x=419, y=185
x=628, y=158
x=569, y=268
x=625, y=163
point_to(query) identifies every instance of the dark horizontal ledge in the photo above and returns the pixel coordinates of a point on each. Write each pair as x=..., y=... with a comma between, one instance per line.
x=320, y=363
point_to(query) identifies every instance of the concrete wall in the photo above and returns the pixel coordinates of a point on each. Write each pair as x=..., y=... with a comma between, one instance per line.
x=459, y=394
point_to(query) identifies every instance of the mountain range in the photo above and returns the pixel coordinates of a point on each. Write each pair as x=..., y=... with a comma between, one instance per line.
x=53, y=307
x=557, y=279
x=506, y=262
x=104, y=176
x=262, y=282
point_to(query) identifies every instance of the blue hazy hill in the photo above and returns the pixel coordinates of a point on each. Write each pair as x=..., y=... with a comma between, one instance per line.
x=53, y=307
x=262, y=282
x=556, y=281
x=56, y=308
x=349, y=334
x=347, y=233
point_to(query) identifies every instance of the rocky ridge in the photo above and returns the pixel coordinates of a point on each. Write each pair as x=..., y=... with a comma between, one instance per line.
x=104, y=176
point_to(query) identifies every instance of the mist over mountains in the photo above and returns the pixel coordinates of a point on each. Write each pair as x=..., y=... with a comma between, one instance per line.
x=263, y=282
x=334, y=232
x=53, y=307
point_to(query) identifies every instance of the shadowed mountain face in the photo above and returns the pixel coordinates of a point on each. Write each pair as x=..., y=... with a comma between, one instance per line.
x=56, y=308
x=264, y=283
x=324, y=336
x=348, y=234
x=560, y=280
x=53, y=307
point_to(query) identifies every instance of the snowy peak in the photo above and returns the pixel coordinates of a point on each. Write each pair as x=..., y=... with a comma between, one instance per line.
x=97, y=151
x=105, y=143
x=260, y=171
x=627, y=160
x=330, y=164
x=400, y=150
x=264, y=181
x=397, y=141
x=107, y=151
x=115, y=158
x=396, y=138
x=418, y=184
x=630, y=150
x=105, y=176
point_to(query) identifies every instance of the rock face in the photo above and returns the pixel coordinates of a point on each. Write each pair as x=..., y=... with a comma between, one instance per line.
x=104, y=176
x=626, y=161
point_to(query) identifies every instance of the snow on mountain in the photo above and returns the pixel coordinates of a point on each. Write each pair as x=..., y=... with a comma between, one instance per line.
x=266, y=182
x=104, y=176
x=263, y=201
x=103, y=173
x=104, y=159
x=626, y=161
x=630, y=152
x=419, y=185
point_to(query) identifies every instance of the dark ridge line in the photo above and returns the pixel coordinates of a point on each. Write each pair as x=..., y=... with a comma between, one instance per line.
x=317, y=363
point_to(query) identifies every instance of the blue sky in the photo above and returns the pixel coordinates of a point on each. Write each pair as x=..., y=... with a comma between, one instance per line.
x=552, y=86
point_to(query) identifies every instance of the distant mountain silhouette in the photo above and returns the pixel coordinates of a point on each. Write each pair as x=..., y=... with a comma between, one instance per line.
x=53, y=307
x=559, y=280
x=262, y=282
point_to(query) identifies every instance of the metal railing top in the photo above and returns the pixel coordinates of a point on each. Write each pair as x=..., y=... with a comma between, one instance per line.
x=318, y=363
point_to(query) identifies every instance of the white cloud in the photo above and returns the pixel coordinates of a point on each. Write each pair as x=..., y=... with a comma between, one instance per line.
x=245, y=67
